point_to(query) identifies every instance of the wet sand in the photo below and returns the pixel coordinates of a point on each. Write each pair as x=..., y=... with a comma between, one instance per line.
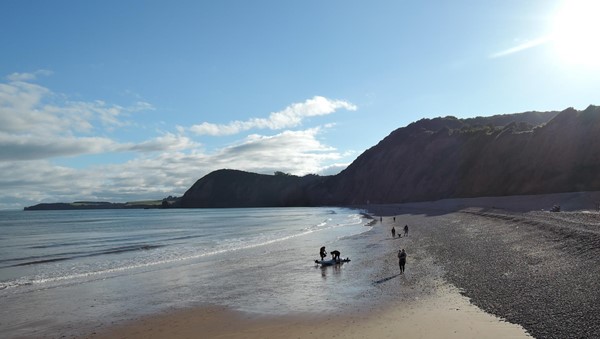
x=444, y=315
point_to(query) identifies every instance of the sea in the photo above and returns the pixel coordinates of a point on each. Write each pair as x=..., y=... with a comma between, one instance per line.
x=64, y=272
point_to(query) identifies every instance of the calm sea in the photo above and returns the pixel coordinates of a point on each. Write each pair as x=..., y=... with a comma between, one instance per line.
x=67, y=270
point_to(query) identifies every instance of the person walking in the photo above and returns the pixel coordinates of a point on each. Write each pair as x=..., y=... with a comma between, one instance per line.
x=406, y=230
x=401, y=260
x=393, y=232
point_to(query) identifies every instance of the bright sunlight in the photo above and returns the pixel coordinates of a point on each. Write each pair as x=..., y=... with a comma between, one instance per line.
x=577, y=32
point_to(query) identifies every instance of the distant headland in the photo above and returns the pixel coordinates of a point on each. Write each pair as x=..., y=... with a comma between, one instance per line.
x=101, y=205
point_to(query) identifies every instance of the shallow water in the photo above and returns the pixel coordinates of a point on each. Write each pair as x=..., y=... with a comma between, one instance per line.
x=68, y=271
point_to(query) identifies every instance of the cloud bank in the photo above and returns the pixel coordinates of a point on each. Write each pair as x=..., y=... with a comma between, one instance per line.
x=39, y=129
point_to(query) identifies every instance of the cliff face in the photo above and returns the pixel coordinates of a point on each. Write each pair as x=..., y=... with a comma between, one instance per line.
x=527, y=153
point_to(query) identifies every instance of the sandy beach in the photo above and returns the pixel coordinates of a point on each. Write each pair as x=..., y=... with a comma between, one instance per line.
x=477, y=268
x=446, y=314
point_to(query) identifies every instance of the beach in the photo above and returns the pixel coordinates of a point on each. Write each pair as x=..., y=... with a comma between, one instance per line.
x=476, y=268
x=445, y=314
x=498, y=270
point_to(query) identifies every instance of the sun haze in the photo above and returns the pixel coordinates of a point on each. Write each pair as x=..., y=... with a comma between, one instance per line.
x=577, y=32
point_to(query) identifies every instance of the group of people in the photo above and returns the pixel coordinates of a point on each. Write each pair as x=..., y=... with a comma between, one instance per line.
x=335, y=254
x=400, y=236
x=402, y=252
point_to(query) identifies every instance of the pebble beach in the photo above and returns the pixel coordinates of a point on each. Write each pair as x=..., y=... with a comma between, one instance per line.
x=528, y=266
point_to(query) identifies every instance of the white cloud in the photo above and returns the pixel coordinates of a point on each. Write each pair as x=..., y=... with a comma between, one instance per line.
x=295, y=152
x=19, y=111
x=333, y=169
x=27, y=107
x=21, y=77
x=291, y=116
x=141, y=106
x=28, y=76
x=31, y=147
x=521, y=47
x=165, y=142
x=36, y=123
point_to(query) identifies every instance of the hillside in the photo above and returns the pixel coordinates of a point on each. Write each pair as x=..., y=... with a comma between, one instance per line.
x=232, y=188
x=431, y=159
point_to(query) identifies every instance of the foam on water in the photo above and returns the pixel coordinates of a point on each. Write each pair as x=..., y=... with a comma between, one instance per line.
x=102, y=253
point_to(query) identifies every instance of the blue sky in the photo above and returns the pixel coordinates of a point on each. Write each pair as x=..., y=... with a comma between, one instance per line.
x=132, y=100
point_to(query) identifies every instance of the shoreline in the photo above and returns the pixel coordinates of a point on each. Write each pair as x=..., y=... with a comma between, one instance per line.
x=405, y=306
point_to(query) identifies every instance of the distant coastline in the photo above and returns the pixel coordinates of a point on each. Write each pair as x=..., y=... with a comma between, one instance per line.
x=100, y=205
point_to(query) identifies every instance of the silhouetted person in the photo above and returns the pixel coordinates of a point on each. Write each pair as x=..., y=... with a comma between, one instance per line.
x=322, y=253
x=401, y=260
x=393, y=232
x=406, y=230
x=335, y=255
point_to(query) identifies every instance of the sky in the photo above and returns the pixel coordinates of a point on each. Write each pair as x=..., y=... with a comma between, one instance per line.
x=133, y=100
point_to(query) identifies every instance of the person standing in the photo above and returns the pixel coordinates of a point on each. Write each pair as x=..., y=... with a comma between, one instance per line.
x=401, y=260
x=322, y=253
x=406, y=230
x=393, y=232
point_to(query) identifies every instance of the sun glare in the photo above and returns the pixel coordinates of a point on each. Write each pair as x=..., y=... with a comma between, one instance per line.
x=577, y=32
